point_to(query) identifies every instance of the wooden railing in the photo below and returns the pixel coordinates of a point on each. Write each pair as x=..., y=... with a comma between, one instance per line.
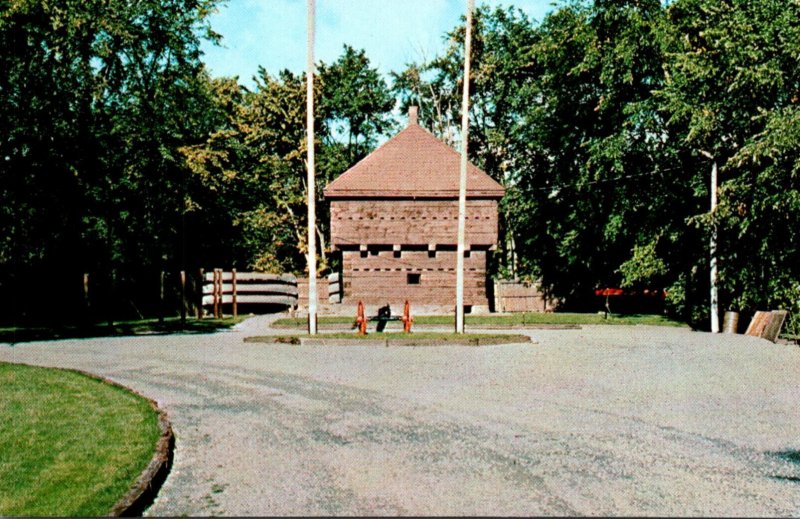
x=234, y=288
x=518, y=296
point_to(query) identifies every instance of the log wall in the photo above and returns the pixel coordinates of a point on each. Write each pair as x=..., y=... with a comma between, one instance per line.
x=416, y=222
x=380, y=277
x=323, y=291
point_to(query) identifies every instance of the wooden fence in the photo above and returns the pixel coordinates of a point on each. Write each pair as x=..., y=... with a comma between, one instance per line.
x=233, y=288
x=517, y=296
x=329, y=290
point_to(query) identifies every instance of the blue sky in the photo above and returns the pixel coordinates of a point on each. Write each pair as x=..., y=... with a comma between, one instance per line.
x=272, y=33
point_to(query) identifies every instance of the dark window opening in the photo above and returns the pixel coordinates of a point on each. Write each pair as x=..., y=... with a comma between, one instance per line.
x=413, y=279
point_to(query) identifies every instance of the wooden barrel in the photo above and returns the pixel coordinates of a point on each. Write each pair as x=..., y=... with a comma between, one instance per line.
x=730, y=323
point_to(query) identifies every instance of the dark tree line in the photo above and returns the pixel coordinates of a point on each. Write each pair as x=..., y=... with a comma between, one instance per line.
x=603, y=122
x=123, y=157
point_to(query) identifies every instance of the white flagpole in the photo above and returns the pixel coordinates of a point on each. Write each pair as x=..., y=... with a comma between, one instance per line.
x=312, y=243
x=462, y=185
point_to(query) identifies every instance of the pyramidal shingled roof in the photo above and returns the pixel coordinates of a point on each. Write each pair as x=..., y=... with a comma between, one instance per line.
x=412, y=164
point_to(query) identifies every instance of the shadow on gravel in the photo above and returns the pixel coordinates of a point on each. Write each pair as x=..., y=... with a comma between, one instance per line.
x=792, y=457
x=129, y=328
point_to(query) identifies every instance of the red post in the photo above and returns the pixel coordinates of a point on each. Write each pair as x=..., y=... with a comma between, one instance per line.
x=361, y=319
x=407, y=319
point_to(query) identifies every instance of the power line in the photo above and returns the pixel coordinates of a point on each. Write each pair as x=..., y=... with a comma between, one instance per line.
x=609, y=180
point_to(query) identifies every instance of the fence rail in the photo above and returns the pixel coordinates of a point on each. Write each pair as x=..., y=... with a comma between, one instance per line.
x=518, y=296
x=235, y=288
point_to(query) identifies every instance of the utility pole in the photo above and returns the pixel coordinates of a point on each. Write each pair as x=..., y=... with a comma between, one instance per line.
x=311, y=183
x=462, y=184
x=714, y=306
x=713, y=252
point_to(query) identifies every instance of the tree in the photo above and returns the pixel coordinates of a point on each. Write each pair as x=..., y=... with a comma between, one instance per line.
x=731, y=95
x=356, y=103
x=92, y=95
x=249, y=173
x=501, y=39
x=251, y=168
x=597, y=181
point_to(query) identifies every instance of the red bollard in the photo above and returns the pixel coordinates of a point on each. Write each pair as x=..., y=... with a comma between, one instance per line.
x=407, y=319
x=361, y=320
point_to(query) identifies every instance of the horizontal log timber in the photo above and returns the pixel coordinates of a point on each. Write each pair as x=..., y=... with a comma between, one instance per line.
x=520, y=296
x=380, y=276
x=253, y=277
x=410, y=222
x=428, y=279
x=270, y=288
x=387, y=290
x=428, y=298
x=234, y=288
x=414, y=293
x=411, y=259
x=252, y=299
x=518, y=291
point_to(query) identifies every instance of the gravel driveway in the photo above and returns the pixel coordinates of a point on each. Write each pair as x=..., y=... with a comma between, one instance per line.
x=599, y=421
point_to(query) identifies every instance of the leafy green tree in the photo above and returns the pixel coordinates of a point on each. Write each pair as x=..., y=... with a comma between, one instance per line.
x=597, y=179
x=251, y=168
x=501, y=41
x=248, y=173
x=98, y=95
x=356, y=103
x=731, y=95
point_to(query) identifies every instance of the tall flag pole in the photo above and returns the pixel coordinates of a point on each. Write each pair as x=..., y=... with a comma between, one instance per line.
x=462, y=185
x=312, y=242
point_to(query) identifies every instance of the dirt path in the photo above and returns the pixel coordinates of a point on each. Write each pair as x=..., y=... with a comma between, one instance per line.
x=603, y=420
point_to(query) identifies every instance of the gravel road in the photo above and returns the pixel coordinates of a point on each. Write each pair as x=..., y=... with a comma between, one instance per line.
x=598, y=421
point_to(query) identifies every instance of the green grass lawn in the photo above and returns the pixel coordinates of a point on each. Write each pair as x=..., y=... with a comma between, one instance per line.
x=139, y=327
x=520, y=319
x=69, y=444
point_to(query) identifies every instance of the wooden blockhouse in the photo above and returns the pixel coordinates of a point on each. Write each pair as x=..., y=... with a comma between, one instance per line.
x=394, y=219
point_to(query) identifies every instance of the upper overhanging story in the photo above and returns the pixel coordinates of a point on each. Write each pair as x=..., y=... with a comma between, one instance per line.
x=406, y=193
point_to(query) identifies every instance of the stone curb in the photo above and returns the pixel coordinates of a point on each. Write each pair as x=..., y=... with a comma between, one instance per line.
x=431, y=327
x=143, y=491
x=383, y=342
